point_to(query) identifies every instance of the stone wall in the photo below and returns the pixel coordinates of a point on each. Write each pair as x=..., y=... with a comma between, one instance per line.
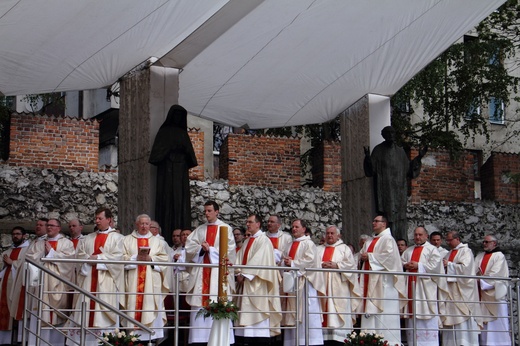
x=29, y=193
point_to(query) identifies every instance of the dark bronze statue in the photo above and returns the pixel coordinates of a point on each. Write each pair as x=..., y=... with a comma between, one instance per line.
x=173, y=154
x=390, y=167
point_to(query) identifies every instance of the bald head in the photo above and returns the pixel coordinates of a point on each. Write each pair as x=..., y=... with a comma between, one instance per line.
x=420, y=235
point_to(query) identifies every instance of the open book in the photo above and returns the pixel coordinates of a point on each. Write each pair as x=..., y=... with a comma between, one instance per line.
x=144, y=250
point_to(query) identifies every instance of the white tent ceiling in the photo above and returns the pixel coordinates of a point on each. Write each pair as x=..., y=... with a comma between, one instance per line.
x=260, y=63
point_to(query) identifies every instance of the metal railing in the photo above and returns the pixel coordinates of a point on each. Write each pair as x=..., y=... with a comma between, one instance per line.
x=176, y=311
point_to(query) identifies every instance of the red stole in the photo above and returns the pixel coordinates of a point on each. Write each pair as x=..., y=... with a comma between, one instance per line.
x=327, y=256
x=294, y=248
x=101, y=238
x=367, y=267
x=4, y=306
x=416, y=255
x=246, y=251
x=211, y=236
x=141, y=278
x=483, y=266
x=484, y=263
x=453, y=253
x=274, y=241
x=53, y=244
x=75, y=241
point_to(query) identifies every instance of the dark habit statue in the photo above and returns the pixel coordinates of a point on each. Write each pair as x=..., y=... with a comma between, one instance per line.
x=390, y=168
x=173, y=154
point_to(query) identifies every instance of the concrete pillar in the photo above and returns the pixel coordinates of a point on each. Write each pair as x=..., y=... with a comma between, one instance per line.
x=146, y=97
x=361, y=126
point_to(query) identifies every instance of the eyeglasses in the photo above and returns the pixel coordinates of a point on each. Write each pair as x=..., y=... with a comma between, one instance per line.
x=488, y=241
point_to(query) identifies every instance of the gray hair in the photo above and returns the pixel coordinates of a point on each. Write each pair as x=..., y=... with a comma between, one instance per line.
x=143, y=216
x=493, y=238
x=336, y=228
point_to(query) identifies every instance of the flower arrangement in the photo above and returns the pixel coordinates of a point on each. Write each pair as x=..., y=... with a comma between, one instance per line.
x=365, y=338
x=220, y=310
x=120, y=338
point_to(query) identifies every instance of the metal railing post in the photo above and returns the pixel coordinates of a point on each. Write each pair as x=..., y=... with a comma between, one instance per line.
x=414, y=309
x=517, y=310
x=305, y=311
x=40, y=308
x=83, y=320
x=176, y=308
x=26, y=300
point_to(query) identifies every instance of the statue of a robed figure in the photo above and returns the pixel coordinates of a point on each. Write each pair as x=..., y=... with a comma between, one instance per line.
x=173, y=154
x=390, y=168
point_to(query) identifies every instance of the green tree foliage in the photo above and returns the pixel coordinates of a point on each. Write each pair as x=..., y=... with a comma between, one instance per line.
x=460, y=89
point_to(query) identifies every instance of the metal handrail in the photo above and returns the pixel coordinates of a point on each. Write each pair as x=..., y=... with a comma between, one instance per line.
x=80, y=290
x=513, y=281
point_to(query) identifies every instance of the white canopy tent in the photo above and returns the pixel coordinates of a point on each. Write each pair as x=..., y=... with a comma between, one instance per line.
x=256, y=63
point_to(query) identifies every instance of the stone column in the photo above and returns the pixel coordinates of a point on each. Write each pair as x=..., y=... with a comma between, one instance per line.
x=146, y=97
x=361, y=126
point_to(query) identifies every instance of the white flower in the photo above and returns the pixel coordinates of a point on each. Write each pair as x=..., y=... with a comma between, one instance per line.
x=134, y=339
x=119, y=335
x=117, y=330
x=362, y=334
x=105, y=338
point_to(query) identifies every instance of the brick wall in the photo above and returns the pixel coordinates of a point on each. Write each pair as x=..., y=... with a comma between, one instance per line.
x=326, y=166
x=444, y=179
x=43, y=141
x=197, y=140
x=497, y=183
x=261, y=161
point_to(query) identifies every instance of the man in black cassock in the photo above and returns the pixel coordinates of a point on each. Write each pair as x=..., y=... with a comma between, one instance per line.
x=173, y=154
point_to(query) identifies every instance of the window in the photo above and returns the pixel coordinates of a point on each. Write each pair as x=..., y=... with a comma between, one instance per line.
x=496, y=111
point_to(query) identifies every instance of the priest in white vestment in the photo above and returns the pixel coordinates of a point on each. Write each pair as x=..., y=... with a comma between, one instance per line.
x=383, y=295
x=104, y=280
x=342, y=289
x=281, y=240
x=11, y=295
x=493, y=294
x=258, y=289
x=202, y=246
x=59, y=247
x=436, y=240
x=145, y=285
x=303, y=254
x=460, y=307
x=423, y=258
